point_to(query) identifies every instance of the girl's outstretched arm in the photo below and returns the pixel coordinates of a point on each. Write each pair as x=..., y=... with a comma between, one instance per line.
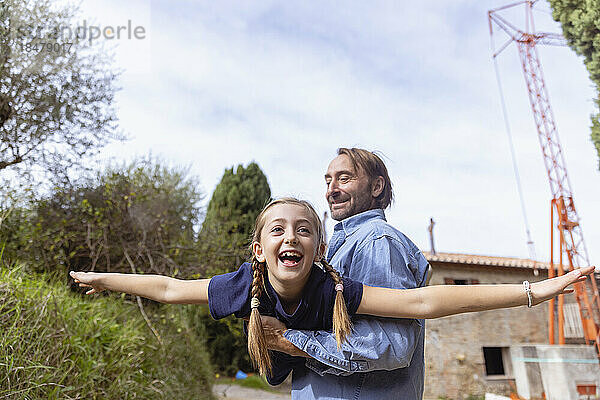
x=155, y=287
x=442, y=300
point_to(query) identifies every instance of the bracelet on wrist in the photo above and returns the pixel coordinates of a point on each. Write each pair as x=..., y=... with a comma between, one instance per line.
x=527, y=287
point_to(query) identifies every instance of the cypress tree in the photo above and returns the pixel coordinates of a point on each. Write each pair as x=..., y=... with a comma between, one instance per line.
x=227, y=229
x=581, y=26
x=223, y=245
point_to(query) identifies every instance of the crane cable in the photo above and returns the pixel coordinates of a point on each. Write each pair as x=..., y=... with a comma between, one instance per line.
x=530, y=243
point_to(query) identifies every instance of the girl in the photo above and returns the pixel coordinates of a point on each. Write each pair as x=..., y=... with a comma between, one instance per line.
x=288, y=279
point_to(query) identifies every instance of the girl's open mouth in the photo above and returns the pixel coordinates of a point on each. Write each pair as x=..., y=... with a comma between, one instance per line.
x=290, y=258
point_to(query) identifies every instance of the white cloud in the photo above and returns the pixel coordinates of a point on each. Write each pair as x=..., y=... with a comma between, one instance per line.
x=286, y=83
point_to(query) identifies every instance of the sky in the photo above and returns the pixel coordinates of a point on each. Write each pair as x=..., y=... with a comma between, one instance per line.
x=217, y=84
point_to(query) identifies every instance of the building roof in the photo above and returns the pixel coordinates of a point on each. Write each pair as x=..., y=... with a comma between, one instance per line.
x=474, y=260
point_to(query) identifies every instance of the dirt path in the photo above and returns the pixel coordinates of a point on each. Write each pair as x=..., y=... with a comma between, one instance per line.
x=237, y=392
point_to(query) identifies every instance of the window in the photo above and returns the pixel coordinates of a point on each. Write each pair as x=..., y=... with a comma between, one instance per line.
x=493, y=361
x=497, y=362
x=573, y=327
x=586, y=391
x=452, y=281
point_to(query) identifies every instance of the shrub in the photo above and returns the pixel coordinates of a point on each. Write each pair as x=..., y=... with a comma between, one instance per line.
x=56, y=344
x=223, y=245
x=141, y=217
x=225, y=340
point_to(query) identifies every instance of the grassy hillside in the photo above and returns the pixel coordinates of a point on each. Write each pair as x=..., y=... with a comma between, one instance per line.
x=56, y=344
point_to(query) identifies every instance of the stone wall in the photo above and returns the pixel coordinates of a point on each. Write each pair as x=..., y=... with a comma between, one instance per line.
x=454, y=360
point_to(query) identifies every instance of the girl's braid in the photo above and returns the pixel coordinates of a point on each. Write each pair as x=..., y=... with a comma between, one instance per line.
x=257, y=278
x=342, y=326
x=257, y=343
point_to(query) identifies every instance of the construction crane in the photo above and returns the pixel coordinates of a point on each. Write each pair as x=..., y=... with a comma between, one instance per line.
x=563, y=215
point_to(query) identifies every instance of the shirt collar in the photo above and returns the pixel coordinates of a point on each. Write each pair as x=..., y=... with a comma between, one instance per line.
x=351, y=224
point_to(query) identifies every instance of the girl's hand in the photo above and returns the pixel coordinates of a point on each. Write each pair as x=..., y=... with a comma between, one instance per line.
x=88, y=279
x=549, y=288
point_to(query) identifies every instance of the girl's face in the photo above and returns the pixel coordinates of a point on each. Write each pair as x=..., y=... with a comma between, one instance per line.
x=289, y=244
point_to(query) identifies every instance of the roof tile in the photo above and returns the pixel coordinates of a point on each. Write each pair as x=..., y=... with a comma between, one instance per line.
x=485, y=260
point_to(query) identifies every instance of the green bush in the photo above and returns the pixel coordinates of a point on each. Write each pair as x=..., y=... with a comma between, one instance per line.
x=14, y=224
x=223, y=244
x=142, y=216
x=146, y=215
x=57, y=344
x=226, y=343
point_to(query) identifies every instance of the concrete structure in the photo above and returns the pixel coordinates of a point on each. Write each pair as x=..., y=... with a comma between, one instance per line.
x=472, y=354
x=567, y=372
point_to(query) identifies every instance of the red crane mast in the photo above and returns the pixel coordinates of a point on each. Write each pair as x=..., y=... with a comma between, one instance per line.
x=571, y=241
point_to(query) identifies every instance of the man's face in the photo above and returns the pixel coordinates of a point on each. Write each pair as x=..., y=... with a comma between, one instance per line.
x=348, y=190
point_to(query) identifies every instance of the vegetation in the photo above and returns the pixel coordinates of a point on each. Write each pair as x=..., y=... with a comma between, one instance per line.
x=579, y=21
x=256, y=382
x=143, y=217
x=56, y=90
x=56, y=344
x=226, y=341
x=226, y=231
x=139, y=217
x=56, y=110
x=224, y=244
x=252, y=381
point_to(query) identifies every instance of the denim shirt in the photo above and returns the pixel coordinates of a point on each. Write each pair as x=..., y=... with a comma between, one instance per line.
x=383, y=358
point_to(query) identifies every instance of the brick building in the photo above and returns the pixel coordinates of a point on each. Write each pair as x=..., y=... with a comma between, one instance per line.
x=469, y=354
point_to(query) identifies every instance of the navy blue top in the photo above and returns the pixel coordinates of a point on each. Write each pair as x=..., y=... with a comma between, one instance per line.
x=230, y=294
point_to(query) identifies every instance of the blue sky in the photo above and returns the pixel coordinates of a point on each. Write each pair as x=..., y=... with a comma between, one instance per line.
x=216, y=84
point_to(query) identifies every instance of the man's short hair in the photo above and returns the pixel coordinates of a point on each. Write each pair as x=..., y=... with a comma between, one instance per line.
x=374, y=167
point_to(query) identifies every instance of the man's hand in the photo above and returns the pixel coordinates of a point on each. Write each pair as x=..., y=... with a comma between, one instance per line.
x=274, y=335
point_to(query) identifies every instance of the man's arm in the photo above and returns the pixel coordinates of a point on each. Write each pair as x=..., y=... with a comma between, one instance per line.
x=320, y=344
x=376, y=343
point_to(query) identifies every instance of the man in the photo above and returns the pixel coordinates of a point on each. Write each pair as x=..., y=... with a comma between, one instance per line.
x=383, y=358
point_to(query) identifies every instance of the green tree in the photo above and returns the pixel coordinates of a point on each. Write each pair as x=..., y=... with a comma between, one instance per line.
x=224, y=241
x=56, y=90
x=580, y=21
x=236, y=202
x=140, y=217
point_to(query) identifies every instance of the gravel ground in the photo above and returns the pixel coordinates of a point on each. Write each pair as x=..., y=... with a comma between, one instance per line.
x=237, y=392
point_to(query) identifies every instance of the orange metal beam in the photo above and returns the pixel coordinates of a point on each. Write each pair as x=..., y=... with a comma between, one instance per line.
x=561, y=301
x=552, y=301
x=570, y=233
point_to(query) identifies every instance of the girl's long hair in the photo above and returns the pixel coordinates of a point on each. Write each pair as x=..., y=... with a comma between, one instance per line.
x=257, y=343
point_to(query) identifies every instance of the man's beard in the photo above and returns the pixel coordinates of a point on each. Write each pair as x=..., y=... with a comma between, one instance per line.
x=359, y=205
